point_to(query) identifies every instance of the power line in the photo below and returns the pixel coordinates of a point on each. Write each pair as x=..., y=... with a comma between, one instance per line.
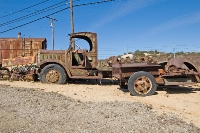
x=94, y=11
x=34, y=13
x=77, y=5
x=24, y=9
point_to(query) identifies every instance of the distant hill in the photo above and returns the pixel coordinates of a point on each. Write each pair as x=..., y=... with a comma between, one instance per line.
x=193, y=57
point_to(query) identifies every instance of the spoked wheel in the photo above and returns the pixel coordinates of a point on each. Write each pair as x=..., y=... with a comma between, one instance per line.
x=142, y=84
x=53, y=76
x=53, y=73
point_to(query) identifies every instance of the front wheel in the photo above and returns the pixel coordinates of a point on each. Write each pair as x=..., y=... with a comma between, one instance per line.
x=53, y=73
x=142, y=84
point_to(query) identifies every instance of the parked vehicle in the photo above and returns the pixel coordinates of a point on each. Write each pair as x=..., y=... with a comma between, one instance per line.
x=141, y=77
x=28, y=59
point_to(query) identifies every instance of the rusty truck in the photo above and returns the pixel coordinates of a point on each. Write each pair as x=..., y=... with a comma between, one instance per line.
x=141, y=77
x=28, y=59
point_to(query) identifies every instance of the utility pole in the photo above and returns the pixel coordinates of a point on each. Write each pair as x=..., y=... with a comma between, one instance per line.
x=72, y=23
x=52, y=26
x=174, y=50
x=127, y=49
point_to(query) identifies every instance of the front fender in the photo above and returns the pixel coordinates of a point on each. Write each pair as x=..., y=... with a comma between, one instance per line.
x=43, y=63
x=50, y=61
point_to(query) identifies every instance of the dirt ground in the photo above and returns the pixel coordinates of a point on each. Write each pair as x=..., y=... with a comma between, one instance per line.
x=182, y=101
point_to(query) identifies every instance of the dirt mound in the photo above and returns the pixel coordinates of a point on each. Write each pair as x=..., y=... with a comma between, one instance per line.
x=33, y=110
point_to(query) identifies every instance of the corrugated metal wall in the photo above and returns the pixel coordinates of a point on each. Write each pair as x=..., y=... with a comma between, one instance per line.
x=15, y=47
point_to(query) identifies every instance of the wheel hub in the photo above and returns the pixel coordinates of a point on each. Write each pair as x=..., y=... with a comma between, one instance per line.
x=53, y=76
x=142, y=85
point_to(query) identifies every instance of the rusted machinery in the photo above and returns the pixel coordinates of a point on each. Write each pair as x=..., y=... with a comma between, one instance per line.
x=28, y=59
x=141, y=77
x=18, y=56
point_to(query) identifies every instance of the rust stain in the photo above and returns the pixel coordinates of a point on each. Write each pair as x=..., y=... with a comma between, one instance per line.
x=16, y=55
x=15, y=47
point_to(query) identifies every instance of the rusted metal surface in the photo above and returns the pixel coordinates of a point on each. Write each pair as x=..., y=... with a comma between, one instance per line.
x=53, y=76
x=181, y=68
x=18, y=61
x=20, y=54
x=142, y=85
x=137, y=65
x=91, y=55
x=77, y=62
x=175, y=64
x=105, y=66
x=46, y=55
x=15, y=47
x=16, y=55
x=147, y=60
x=126, y=70
x=25, y=73
x=176, y=71
x=159, y=80
x=195, y=59
x=83, y=64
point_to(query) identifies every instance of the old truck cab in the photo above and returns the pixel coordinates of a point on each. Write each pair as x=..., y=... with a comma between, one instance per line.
x=56, y=66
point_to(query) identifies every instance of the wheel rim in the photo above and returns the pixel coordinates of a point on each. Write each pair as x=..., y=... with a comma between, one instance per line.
x=142, y=85
x=52, y=76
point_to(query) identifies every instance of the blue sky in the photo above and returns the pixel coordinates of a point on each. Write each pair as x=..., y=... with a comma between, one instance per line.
x=136, y=24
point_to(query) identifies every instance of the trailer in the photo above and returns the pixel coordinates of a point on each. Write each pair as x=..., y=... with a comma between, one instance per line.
x=141, y=77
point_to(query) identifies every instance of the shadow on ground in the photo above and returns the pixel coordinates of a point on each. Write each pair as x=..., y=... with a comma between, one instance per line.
x=167, y=89
x=106, y=82
x=93, y=82
x=178, y=89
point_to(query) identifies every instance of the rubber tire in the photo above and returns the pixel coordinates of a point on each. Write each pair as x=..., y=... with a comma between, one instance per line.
x=134, y=77
x=56, y=67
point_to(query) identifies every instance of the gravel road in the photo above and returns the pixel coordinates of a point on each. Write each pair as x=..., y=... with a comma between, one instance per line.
x=35, y=110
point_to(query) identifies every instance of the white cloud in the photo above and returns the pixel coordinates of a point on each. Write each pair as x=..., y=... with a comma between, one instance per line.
x=123, y=8
x=179, y=21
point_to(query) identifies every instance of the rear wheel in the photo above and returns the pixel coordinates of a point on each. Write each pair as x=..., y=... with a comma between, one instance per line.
x=53, y=73
x=142, y=84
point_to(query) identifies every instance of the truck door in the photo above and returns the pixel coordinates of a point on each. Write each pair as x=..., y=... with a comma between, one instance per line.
x=87, y=56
